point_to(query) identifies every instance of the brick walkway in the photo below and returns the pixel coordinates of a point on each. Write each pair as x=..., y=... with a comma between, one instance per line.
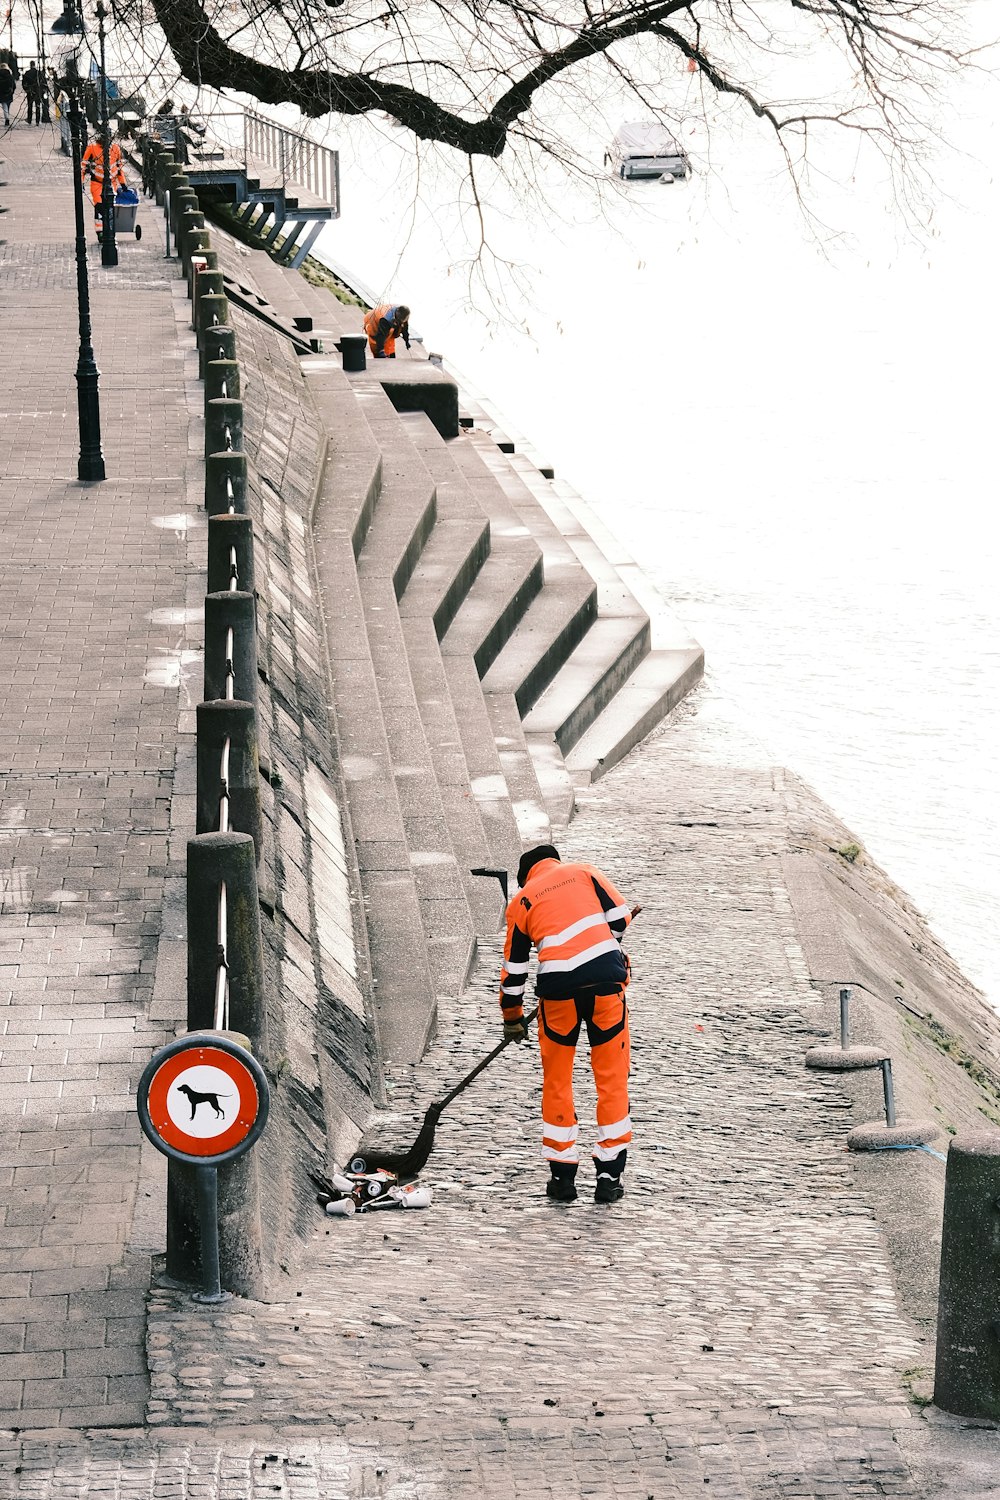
x=89, y=582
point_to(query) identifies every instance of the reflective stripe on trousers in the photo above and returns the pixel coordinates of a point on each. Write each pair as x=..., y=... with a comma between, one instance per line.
x=559, y=1024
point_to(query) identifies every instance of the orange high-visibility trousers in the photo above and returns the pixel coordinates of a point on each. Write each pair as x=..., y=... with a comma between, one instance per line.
x=559, y=1025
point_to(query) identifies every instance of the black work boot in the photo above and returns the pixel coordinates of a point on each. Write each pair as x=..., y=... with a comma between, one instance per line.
x=561, y=1186
x=609, y=1186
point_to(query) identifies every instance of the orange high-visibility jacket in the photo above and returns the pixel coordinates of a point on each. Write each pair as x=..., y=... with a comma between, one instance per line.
x=92, y=163
x=576, y=919
x=379, y=326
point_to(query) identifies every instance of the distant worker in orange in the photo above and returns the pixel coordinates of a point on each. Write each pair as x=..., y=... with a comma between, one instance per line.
x=384, y=325
x=576, y=919
x=92, y=171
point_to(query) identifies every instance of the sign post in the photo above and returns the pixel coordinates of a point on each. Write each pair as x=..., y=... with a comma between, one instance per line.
x=204, y=1100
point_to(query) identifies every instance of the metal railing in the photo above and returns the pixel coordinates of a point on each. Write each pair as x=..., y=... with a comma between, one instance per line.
x=297, y=158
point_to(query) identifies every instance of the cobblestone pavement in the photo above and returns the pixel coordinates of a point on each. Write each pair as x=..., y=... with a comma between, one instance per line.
x=88, y=585
x=729, y=1329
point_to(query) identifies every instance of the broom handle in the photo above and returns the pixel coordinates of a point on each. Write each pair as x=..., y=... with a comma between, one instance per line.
x=443, y=1103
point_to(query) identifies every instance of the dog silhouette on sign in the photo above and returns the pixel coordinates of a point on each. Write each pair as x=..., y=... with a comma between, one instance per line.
x=194, y=1099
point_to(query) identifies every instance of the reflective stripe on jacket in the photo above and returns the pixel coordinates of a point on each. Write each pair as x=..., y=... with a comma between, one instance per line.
x=576, y=919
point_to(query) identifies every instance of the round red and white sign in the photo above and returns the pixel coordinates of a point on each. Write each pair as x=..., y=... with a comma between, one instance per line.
x=203, y=1097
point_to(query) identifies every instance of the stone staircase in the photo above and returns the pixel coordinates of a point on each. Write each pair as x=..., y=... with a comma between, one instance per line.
x=487, y=654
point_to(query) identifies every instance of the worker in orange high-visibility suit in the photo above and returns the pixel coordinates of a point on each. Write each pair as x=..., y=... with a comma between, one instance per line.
x=92, y=171
x=384, y=325
x=576, y=919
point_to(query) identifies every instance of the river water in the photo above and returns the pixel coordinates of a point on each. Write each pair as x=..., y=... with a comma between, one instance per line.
x=792, y=431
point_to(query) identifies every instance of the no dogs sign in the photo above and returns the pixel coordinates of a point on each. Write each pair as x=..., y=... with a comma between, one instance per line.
x=203, y=1099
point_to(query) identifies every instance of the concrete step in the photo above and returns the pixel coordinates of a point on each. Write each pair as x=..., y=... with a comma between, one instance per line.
x=401, y=525
x=584, y=686
x=529, y=804
x=647, y=695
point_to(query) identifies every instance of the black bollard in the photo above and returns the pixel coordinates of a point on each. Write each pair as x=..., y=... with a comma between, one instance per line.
x=215, y=860
x=234, y=612
x=222, y=380
x=219, y=342
x=192, y=222
x=352, y=350
x=228, y=534
x=223, y=425
x=967, y=1370
x=226, y=743
x=226, y=484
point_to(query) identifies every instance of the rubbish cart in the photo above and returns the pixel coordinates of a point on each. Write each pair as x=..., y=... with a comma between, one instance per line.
x=127, y=212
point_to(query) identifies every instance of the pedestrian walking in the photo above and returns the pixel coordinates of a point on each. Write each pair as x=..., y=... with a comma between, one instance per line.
x=33, y=84
x=62, y=115
x=575, y=919
x=92, y=171
x=6, y=91
x=384, y=325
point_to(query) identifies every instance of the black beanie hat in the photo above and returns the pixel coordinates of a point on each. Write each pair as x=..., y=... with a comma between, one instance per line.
x=531, y=857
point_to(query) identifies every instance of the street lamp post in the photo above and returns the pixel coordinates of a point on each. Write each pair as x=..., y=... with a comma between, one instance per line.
x=91, y=462
x=109, y=248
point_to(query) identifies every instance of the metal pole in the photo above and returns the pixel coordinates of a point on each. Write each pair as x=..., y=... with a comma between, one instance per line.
x=890, y=1101
x=109, y=247
x=208, y=1212
x=845, y=996
x=91, y=461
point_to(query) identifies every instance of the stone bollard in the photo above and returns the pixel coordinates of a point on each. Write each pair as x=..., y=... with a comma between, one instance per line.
x=223, y=425
x=967, y=1370
x=226, y=535
x=221, y=373
x=219, y=341
x=214, y=860
x=236, y=612
x=213, y=311
x=209, y=283
x=219, y=722
x=225, y=472
x=182, y=200
x=201, y=257
x=192, y=221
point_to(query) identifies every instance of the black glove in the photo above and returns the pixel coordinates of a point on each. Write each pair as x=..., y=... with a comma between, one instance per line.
x=515, y=1031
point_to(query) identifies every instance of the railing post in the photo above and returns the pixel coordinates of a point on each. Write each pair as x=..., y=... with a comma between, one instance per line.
x=223, y=425
x=230, y=624
x=226, y=484
x=222, y=380
x=227, y=736
x=218, y=341
x=209, y=283
x=229, y=534
x=213, y=860
x=967, y=1370
x=240, y=1241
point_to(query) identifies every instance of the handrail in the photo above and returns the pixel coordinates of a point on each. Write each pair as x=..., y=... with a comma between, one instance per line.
x=222, y=972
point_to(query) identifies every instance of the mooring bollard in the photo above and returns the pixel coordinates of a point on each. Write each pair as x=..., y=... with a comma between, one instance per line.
x=224, y=917
x=230, y=554
x=222, y=380
x=223, y=425
x=192, y=222
x=230, y=646
x=967, y=1369
x=352, y=351
x=226, y=484
x=228, y=786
